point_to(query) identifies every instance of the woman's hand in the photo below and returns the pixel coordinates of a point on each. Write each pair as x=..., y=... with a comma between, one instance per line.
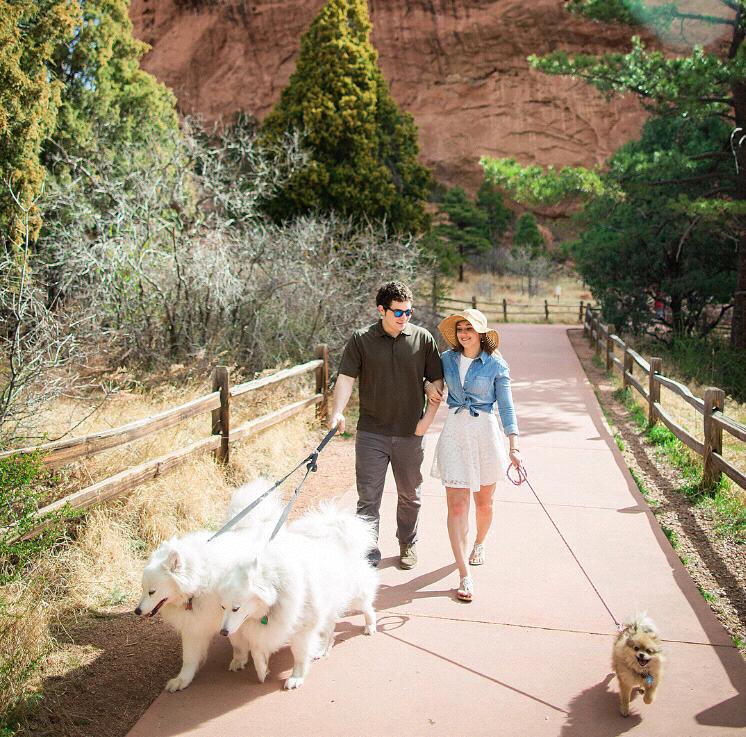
x=421, y=428
x=515, y=457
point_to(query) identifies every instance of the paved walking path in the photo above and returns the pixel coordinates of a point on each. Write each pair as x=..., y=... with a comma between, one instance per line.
x=530, y=656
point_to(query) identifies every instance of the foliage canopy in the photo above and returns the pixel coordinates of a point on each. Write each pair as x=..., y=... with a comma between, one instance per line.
x=704, y=86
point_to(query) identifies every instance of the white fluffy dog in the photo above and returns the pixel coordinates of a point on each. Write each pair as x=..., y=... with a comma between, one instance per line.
x=297, y=587
x=182, y=574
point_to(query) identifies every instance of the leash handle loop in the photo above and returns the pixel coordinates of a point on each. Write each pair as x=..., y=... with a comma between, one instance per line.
x=326, y=439
x=520, y=472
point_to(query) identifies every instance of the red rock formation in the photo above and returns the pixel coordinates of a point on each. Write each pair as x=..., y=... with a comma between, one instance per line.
x=459, y=66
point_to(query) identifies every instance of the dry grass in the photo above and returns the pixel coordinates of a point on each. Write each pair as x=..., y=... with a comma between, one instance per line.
x=24, y=635
x=491, y=288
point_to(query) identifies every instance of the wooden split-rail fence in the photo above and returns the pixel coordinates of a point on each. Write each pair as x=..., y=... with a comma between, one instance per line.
x=221, y=436
x=505, y=311
x=711, y=407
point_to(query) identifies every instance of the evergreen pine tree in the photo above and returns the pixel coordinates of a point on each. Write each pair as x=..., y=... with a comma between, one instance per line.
x=527, y=235
x=108, y=103
x=30, y=30
x=363, y=150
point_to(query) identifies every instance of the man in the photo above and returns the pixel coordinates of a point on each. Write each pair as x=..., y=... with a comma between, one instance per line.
x=392, y=359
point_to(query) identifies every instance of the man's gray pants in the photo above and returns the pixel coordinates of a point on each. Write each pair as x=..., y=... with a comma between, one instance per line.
x=373, y=453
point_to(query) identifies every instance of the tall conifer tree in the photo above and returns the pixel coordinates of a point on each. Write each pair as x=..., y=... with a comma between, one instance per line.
x=30, y=30
x=363, y=150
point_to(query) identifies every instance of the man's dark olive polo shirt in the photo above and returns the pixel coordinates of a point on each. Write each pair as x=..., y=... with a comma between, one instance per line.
x=391, y=373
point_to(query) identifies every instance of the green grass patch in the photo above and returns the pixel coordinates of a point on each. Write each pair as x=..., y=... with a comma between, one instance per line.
x=673, y=538
x=619, y=441
x=707, y=595
x=739, y=642
x=638, y=413
x=728, y=512
x=598, y=362
x=676, y=453
x=652, y=503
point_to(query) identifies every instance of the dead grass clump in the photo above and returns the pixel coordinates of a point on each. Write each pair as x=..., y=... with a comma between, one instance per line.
x=103, y=566
x=25, y=613
x=190, y=498
x=275, y=452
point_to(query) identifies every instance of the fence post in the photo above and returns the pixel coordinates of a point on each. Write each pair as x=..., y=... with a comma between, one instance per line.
x=221, y=417
x=654, y=389
x=591, y=328
x=474, y=303
x=580, y=313
x=627, y=367
x=597, y=342
x=714, y=400
x=546, y=310
x=505, y=310
x=609, y=348
x=322, y=381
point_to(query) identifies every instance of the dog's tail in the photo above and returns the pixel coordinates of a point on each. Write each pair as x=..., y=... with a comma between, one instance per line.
x=639, y=622
x=355, y=535
x=266, y=513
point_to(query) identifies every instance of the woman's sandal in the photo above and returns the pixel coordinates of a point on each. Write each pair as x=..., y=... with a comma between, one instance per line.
x=477, y=555
x=466, y=589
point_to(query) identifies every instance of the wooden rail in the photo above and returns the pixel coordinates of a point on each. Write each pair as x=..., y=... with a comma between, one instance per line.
x=711, y=407
x=66, y=451
x=517, y=310
x=217, y=402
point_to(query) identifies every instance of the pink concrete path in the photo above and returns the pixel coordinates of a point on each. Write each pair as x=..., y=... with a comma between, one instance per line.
x=530, y=656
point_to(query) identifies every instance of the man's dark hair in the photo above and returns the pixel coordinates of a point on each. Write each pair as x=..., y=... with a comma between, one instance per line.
x=393, y=291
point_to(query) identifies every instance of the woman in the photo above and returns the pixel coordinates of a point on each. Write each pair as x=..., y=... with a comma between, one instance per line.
x=470, y=456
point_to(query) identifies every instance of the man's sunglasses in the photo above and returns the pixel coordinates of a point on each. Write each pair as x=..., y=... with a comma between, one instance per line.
x=399, y=313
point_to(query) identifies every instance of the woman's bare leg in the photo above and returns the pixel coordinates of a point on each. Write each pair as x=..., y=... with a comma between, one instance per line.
x=483, y=502
x=458, y=525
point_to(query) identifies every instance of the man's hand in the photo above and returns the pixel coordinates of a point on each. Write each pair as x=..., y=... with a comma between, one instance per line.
x=342, y=393
x=434, y=394
x=337, y=420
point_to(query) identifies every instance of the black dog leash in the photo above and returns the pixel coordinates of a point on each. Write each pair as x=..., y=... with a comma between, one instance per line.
x=523, y=476
x=311, y=466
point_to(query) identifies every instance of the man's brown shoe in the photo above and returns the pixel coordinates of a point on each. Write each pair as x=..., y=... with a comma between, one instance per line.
x=408, y=556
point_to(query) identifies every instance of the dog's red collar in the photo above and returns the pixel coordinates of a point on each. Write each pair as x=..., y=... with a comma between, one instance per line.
x=188, y=606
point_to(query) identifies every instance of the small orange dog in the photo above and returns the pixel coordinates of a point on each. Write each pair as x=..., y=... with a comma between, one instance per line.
x=637, y=660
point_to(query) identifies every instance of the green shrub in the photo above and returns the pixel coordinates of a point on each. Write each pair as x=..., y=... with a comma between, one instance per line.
x=23, y=489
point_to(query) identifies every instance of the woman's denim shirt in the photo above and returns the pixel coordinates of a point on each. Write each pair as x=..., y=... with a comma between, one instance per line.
x=487, y=381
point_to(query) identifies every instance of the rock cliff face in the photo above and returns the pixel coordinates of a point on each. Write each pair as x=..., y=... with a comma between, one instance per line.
x=459, y=66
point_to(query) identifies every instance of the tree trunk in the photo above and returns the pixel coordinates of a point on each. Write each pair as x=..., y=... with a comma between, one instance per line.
x=738, y=326
x=677, y=316
x=461, y=263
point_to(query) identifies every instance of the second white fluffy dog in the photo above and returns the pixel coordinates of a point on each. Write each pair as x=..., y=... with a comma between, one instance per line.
x=299, y=585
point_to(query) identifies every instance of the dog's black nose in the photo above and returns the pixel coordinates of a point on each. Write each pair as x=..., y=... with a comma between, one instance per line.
x=224, y=632
x=138, y=611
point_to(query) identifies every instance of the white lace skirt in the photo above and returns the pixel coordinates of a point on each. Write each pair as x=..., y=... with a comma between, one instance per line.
x=470, y=451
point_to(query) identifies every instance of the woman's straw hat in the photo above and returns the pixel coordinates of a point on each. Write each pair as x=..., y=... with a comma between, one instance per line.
x=490, y=338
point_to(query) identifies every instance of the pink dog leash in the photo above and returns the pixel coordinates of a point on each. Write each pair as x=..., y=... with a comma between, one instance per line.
x=521, y=476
